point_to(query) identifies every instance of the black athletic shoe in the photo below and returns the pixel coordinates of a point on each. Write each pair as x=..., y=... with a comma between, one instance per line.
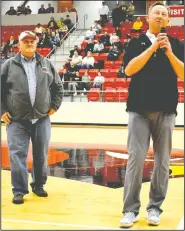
x=18, y=199
x=40, y=192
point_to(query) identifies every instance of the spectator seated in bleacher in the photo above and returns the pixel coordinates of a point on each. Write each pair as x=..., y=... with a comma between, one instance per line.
x=11, y=11
x=90, y=34
x=126, y=41
x=48, y=32
x=130, y=11
x=55, y=39
x=137, y=26
x=96, y=27
x=114, y=54
x=28, y=10
x=88, y=61
x=118, y=32
x=74, y=83
x=98, y=47
x=77, y=59
x=63, y=29
x=20, y=10
x=86, y=82
x=98, y=80
x=44, y=42
x=10, y=53
x=71, y=68
x=76, y=48
x=42, y=10
x=50, y=9
x=113, y=38
x=10, y=43
x=39, y=30
x=89, y=46
x=68, y=22
x=52, y=24
x=67, y=64
x=105, y=39
x=65, y=77
x=119, y=45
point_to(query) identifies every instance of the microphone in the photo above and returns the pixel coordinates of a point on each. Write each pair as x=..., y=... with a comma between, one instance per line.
x=163, y=30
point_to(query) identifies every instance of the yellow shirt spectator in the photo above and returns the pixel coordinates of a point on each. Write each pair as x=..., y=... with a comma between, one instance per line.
x=137, y=24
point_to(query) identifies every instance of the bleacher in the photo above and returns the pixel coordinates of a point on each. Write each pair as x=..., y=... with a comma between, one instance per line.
x=116, y=89
x=7, y=31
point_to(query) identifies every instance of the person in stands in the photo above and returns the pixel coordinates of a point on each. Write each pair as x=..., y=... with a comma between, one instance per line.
x=42, y=10
x=137, y=26
x=11, y=11
x=50, y=9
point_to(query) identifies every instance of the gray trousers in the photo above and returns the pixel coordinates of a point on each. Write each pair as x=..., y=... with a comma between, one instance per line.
x=18, y=137
x=140, y=127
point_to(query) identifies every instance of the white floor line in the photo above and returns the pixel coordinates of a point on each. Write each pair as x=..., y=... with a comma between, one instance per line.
x=181, y=224
x=59, y=224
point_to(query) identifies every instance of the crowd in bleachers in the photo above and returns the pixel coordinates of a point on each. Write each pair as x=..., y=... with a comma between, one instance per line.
x=99, y=59
x=98, y=63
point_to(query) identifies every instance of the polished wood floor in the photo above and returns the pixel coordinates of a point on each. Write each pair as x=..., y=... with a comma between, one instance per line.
x=74, y=205
x=78, y=205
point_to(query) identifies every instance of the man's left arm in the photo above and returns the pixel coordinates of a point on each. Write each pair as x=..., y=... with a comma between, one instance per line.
x=176, y=58
x=57, y=91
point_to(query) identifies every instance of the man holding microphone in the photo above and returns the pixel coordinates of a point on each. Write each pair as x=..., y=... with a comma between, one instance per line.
x=154, y=61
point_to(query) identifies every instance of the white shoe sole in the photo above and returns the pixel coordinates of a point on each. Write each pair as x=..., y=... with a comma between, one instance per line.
x=153, y=223
x=129, y=225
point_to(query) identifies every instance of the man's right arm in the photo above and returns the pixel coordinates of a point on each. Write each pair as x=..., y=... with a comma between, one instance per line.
x=138, y=62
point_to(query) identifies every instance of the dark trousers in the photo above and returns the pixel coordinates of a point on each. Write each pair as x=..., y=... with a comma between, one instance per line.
x=18, y=137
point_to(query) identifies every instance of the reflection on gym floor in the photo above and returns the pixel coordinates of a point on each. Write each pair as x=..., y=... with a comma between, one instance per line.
x=102, y=167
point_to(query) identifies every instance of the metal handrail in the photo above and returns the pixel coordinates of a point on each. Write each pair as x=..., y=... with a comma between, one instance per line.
x=69, y=32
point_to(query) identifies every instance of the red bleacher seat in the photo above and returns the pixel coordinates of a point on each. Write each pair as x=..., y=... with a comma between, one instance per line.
x=109, y=95
x=84, y=43
x=108, y=24
x=93, y=73
x=109, y=64
x=121, y=95
x=117, y=64
x=93, y=94
x=103, y=56
x=120, y=83
x=82, y=71
x=96, y=56
x=180, y=84
x=105, y=72
x=121, y=57
x=109, y=83
x=181, y=97
x=114, y=73
x=108, y=29
x=97, y=37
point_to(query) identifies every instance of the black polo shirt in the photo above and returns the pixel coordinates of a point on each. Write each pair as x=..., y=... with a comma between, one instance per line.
x=154, y=87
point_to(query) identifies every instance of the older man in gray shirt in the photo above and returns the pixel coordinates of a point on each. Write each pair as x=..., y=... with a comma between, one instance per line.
x=31, y=92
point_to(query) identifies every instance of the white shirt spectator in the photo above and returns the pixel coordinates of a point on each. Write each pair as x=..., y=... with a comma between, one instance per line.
x=88, y=60
x=90, y=34
x=98, y=47
x=96, y=27
x=99, y=79
x=38, y=30
x=76, y=59
x=104, y=10
x=113, y=39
